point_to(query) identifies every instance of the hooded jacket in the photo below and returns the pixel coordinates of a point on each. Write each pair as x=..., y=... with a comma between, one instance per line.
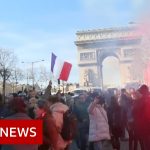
x=99, y=128
x=58, y=109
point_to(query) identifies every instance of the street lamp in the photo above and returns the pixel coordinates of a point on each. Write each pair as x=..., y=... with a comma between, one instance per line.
x=32, y=63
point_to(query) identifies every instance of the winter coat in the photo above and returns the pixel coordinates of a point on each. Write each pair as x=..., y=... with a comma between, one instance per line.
x=80, y=110
x=141, y=113
x=99, y=128
x=116, y=120
x=50, y=133
x=124, y=102
x=58, y=109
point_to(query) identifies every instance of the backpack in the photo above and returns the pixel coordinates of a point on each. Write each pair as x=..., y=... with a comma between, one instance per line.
x=69, y=128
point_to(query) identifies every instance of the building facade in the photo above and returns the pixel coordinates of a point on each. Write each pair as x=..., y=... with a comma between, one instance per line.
x=95, y=45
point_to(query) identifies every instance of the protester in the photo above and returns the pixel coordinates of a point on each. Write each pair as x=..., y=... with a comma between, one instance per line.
x=99, y=133
x=115, y=117
x=50, y=133
x=80, y=110
x=124, y=102
x=133, y=138
x=141, y=113
x=58, y=109
x=31, y=106
x=19, y=108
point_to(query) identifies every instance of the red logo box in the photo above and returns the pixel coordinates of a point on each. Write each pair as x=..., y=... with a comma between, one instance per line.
x=21, y=131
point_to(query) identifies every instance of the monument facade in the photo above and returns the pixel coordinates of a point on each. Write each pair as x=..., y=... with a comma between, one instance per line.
x=95, y=45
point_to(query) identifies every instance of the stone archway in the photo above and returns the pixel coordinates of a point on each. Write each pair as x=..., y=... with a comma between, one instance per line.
x=95, y=45
x=111, y=72
x=101, y=56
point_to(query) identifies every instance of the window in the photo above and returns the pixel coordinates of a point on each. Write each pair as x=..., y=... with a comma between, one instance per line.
x=128, y=52
x=87, y=56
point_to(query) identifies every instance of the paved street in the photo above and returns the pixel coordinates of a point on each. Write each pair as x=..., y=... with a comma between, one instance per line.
x=124, y=146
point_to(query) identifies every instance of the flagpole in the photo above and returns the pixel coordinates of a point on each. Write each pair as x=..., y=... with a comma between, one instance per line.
x=63, y=86
x=58, y=84
x=60, y=70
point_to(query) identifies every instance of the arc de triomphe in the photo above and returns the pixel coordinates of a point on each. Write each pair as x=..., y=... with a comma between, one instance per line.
x=95, y=45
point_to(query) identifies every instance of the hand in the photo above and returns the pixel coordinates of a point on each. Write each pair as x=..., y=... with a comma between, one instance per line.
x=96, y=100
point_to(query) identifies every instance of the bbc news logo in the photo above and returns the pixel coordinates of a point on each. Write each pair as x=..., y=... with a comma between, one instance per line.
x=21, y=132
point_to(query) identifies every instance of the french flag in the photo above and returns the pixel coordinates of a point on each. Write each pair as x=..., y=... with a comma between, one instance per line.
x=60, y=69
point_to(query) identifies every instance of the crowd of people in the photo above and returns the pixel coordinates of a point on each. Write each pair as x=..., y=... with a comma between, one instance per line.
x=103, y=119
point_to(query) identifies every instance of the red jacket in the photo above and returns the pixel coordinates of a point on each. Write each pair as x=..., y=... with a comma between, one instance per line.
x=141, y=113
x=50, y=133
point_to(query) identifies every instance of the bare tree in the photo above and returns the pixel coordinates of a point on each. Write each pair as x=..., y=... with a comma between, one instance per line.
x=16, y=76
x=44, y=76
x=7, y=63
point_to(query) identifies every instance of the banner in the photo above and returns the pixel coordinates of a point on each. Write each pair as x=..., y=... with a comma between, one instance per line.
x=60, y=69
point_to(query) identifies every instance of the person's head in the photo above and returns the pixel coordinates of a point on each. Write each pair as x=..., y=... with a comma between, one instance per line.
x=52, y=99
x=94, y=94
x=32, y=93
x=101, y=99
x=131, y=91
x=41, y=108
x=137, y=95
x=144, y=90
x=82, y=97
x=116, y=92
x=69, y=93
x=123, y=91
x=32, y=102
x=58, y=94
x=17, y=105
x=15, y=95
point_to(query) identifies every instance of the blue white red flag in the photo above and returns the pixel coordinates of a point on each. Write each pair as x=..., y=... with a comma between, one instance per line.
x=60, y=69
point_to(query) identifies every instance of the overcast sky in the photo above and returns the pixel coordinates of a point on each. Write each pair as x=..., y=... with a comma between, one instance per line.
x=35, y=28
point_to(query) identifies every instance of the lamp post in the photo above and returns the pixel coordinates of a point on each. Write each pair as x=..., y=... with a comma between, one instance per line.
x=32, y=70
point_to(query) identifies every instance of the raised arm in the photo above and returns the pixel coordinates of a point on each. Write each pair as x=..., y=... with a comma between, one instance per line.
x=92, y=106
